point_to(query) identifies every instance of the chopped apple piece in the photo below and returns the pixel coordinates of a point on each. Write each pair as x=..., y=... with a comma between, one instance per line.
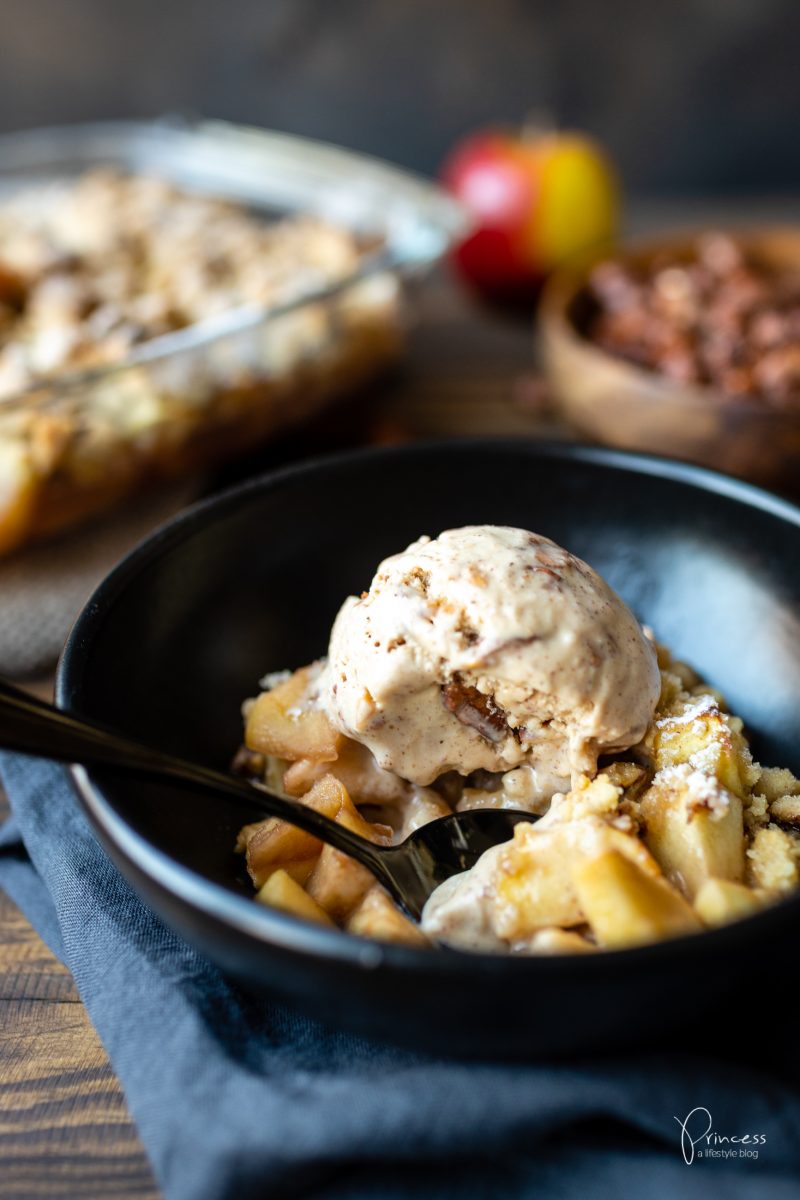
x=694, y=828
x=379, y=917
x=283, y=723
x=695, y=731
x=558, y=941
x=301, y=775
x=719, y=901
x=19, y=489
x=349, y=816
x=299, y=869
x=534, y=882
x=283, y=892
x=338, y=883
x=358, y=771
x=625, y=906
x=275, y=843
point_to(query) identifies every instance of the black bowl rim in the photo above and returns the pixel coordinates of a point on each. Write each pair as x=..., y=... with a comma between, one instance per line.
x=281, y=930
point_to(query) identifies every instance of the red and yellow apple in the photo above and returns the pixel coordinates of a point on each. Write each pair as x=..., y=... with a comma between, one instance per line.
x=537, y=200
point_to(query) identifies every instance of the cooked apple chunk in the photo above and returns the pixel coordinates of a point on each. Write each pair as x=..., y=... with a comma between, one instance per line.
x=284, y=723
x=626, y=906
x=695, y=731
x=379, y=917
x=357, y=770
x=349, y=816
x=19, y=490
x=534, y=886
x=283, y=892
x=275, y=843
x=556, y=941
x=338, y=883
x=694, y=828
x=719, y=901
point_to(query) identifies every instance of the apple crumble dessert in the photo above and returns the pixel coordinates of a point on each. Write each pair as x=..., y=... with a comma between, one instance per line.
x=490, y=667
x=96, y=273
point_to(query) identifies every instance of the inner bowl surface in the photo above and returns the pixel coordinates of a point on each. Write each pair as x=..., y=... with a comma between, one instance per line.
x=249, y=582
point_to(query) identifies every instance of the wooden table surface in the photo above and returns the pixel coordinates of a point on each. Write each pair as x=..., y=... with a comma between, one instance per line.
x=64, y=1128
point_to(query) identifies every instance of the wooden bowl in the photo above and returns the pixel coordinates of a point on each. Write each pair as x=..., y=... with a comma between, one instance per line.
x=620, y=404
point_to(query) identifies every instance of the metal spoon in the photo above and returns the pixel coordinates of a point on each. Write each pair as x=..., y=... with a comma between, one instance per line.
x=409, y=871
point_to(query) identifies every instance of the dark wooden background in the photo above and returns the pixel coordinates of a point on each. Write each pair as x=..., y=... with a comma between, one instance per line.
x=692, y=96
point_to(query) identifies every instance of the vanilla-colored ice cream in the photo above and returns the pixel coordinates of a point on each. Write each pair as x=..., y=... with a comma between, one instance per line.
x=489, y=648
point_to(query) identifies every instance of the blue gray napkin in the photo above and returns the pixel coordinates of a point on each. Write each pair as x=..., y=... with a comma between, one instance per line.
x=239, y=1097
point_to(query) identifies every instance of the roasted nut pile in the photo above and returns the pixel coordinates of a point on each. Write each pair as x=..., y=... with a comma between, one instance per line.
x=717, y=316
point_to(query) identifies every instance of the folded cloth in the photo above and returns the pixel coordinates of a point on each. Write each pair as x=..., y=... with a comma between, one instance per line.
x=240, y=1097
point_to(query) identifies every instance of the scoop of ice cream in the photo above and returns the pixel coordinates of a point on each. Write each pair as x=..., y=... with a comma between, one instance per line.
x=489, y=648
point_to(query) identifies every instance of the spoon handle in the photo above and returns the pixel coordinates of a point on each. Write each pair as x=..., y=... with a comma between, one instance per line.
x=34, y=727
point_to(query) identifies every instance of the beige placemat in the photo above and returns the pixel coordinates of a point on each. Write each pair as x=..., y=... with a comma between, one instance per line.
x=43, y=589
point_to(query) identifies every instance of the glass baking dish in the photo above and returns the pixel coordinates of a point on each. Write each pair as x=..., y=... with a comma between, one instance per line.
x=80, y=440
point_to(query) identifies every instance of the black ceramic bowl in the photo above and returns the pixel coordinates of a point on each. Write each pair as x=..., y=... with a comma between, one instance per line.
x=249, y=582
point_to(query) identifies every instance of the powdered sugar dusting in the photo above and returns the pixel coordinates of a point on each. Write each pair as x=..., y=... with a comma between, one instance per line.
x=704, y=789
x=705, y=704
